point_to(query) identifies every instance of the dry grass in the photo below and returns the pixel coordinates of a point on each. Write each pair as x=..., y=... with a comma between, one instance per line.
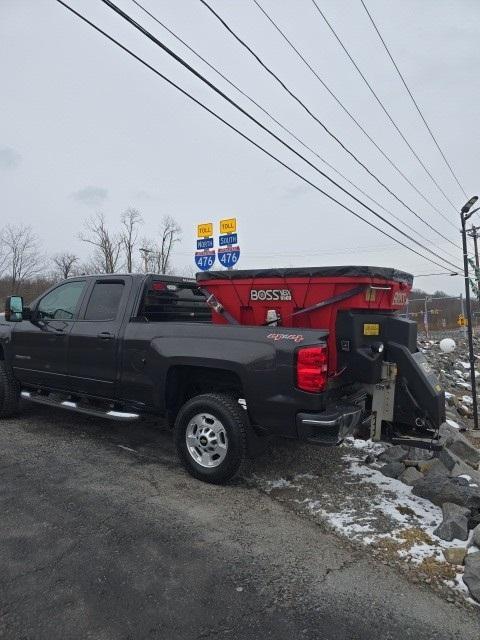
x=415, y=535
x=437, y=570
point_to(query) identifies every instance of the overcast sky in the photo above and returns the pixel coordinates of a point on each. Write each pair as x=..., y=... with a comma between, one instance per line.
x=85, y=128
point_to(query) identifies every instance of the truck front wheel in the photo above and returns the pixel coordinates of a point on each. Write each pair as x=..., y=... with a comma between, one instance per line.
x=9, y=392
x=211, y=436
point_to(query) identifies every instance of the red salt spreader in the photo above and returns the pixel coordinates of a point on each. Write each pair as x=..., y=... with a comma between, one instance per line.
x=372, y=351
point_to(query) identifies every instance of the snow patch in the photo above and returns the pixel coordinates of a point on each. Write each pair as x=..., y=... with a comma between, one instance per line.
x=452, y=423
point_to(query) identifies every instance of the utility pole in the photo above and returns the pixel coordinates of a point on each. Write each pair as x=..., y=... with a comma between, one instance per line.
x=465, y=214
x=473, y=233
x=425, y=317
x=462, y=311
x=145, y=252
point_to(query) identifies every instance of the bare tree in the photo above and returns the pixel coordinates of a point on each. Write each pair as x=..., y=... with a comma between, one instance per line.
x=23, y=257
x=3, y=254
x=65, y=264
x=157, y=255
x=170, y=234
x=131, y=221
x=107, y=244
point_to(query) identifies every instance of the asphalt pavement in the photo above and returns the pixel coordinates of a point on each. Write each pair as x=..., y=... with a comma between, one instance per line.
x=103, y=536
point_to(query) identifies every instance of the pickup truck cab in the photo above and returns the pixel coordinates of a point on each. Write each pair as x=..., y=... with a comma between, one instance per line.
x=127, y=346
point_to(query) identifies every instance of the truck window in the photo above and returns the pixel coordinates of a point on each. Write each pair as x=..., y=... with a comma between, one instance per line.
x=104, y=301
x=174, y=302
x=61, y=303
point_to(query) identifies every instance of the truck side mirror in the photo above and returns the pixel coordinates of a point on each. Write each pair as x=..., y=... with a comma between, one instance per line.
x=14, y=309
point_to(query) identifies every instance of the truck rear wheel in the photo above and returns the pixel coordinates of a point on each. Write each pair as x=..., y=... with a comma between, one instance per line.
x=9, y=392
x=211, y=436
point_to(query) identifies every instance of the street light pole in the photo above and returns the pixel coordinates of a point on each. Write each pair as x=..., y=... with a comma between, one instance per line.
x=464, y=216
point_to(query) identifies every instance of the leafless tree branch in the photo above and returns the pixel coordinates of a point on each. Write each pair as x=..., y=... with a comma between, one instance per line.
x=131, y=221
x=157, y=255
x=65, y=264
x=22, y=249
x=107, y=244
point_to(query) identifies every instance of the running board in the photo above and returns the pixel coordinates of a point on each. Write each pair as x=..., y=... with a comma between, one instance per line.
x=73, y=406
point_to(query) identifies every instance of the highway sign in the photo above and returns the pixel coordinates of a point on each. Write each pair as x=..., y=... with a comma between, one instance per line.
x=228, y=225
x=205, y=243
x=228, y=240
x=205, y=230
x=205, y=259
x=228, y=256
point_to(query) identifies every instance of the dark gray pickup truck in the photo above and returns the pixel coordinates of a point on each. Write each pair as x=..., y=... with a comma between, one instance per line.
x=124, y=346
x=127, y=346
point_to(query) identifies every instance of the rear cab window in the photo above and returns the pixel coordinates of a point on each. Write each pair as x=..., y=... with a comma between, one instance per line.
x=165, y=301
x=104, y=301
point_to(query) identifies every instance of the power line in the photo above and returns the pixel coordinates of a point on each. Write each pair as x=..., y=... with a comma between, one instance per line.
x=219, y=92
x=413, y=99
x=311, y=114
x=344, y=108
x=309, y=252
x=385, y=110
x=291, y=133
x=245, y=137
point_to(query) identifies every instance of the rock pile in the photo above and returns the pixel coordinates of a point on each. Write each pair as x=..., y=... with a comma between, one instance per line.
x=453, y=371
x=451, y=480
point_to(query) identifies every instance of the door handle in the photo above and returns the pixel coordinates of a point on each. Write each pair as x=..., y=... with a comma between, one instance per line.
x=105, y=335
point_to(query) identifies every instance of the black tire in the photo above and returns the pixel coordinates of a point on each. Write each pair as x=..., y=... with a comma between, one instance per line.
x=9, y=392
x=225, y=408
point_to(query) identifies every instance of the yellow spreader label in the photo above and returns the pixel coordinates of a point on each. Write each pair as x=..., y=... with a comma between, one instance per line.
x=371, y=329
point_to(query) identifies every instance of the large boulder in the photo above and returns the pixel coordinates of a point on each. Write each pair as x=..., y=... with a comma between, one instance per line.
x=415, y=453
x=393, y=454
x=462, y=469
x=448, y=433
x=393, y=469
x=436, y=468
x=410, y=476
x=448, y=458
x=440, y=489
x=465, y=451
x=476, y=536
x=425, y=465
x=473, y=522
x=455, y=555
x=455, y=522
x=471, y=577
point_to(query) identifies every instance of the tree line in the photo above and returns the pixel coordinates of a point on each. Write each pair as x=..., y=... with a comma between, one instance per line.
x=27, y=270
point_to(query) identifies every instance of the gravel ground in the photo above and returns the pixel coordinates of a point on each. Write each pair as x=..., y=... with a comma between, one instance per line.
x=341, y=493
x=105, y=537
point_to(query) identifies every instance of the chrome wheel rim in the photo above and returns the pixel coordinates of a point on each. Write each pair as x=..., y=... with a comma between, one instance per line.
x=206, y=440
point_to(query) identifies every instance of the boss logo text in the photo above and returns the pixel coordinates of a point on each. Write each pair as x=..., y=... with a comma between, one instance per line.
x=270, y=294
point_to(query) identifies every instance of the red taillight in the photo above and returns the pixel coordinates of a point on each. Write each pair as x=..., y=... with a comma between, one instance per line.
x=312, y=368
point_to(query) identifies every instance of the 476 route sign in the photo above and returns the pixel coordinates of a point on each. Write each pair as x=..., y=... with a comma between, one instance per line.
x=205, y=259
x=205, y=254
x=228, y=252
x=228, y=256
